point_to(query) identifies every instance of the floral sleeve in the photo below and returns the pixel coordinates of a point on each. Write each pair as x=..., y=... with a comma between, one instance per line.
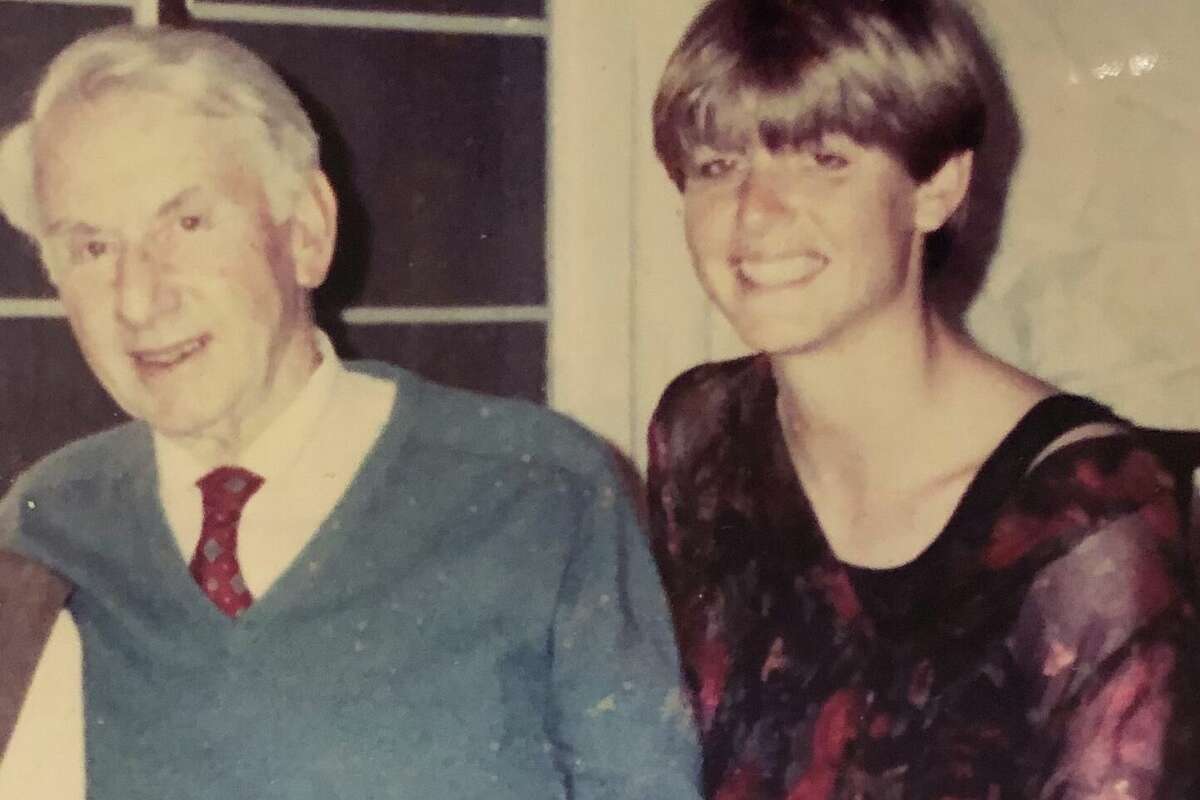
x=1107, y=640
x=679, y=531
x=667, y=541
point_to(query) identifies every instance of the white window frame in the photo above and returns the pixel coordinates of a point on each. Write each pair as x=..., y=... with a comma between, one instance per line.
x=626, y=312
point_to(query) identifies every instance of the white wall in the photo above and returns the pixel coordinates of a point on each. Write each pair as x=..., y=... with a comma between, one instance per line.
x=627, y=314
x=1097, y=282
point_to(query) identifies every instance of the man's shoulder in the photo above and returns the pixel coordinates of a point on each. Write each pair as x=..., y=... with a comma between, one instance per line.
x=79, y=482
x=106, y=455
x=491, y=427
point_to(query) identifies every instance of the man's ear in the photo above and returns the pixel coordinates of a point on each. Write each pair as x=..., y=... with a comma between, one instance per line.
x=943, y=192
x=313, y=230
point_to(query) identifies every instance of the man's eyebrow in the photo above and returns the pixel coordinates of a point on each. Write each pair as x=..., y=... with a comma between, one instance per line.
x=58, y=227
x=178, y=200
x=61, y=226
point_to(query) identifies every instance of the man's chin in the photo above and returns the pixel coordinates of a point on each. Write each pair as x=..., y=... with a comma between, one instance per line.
x=176, y=423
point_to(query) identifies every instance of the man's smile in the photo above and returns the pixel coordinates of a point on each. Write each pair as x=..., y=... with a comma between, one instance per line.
x=160, y=359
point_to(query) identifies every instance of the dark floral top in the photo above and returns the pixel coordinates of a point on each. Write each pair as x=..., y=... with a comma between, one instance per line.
x=1041, y=647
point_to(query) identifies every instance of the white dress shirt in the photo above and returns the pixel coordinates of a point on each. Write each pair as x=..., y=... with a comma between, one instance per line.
x=307, y=457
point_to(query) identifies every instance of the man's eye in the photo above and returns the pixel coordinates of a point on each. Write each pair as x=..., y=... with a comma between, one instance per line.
x=85, y=251
x=190, y=222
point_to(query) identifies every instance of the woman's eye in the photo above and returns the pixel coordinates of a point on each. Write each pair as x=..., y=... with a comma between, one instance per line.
x=826, y=159
x=190, y=222
x=96, y=249
x=716, y=167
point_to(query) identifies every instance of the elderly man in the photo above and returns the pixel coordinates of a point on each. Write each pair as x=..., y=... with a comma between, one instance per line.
x=295, y=577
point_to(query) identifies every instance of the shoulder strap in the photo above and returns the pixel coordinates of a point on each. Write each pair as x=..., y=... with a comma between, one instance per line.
x=1087, y=430
x=1038, y=433
x=1050, y=425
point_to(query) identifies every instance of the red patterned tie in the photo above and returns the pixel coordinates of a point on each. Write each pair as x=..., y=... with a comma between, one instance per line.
x=214, y=565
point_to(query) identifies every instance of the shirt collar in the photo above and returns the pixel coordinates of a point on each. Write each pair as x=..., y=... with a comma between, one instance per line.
x=276, y=448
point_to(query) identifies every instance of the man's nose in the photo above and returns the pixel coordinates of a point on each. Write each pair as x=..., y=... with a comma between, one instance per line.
x=144, y=290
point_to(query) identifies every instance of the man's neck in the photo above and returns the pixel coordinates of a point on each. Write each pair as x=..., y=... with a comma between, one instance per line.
x=224, y=441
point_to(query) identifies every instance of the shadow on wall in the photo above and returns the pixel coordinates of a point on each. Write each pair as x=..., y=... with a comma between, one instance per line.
x=953, y=285
x=347, y=274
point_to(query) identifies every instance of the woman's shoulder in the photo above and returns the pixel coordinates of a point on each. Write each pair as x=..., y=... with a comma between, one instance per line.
x=1108, y=602
x=708, y=404
x=1106, y=475
x=712, y=387
x=1080, y=489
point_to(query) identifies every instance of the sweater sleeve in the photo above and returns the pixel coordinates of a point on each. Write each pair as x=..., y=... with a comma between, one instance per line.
x=1107, y=640
x=618, y=720
x=31, y=597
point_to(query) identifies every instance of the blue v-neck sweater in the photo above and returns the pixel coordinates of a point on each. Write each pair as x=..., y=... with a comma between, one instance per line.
x=477, y=618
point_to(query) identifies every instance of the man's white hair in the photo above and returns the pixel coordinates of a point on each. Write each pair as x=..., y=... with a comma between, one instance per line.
x=206, y=71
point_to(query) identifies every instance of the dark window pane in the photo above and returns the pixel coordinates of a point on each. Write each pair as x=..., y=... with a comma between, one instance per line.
x=31, y=35
x=436, y=144
x=504, y=359
x=50, y=396
x=20, y=271
x=504, y=8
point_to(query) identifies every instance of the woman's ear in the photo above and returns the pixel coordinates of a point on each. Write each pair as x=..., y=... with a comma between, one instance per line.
x=943, y=192
x=313, y=230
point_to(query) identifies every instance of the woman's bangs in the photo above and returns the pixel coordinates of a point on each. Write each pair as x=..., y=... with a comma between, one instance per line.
x=735, y=113
x=716, y=117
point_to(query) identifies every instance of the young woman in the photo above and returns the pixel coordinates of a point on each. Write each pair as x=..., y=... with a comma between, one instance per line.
x=900, y=568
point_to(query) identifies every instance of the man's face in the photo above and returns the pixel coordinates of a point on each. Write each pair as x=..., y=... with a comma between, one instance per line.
x=182, y=292
x=797, y=246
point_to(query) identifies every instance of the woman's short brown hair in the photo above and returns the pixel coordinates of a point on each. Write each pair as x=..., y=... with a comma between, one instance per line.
x=902, y=75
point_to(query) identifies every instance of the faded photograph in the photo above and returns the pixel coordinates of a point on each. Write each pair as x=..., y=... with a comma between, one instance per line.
x=739, y=400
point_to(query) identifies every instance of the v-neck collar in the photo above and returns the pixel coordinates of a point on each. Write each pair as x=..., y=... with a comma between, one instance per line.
x=162, y=550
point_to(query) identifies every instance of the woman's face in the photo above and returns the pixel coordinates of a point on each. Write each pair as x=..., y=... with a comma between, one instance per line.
x=797, y=246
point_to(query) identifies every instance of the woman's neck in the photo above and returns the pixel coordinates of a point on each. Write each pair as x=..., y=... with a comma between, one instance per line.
x=862, y=395
x=891, y=428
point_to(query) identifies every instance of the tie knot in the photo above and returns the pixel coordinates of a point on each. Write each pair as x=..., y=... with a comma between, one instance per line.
x=227, y=489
